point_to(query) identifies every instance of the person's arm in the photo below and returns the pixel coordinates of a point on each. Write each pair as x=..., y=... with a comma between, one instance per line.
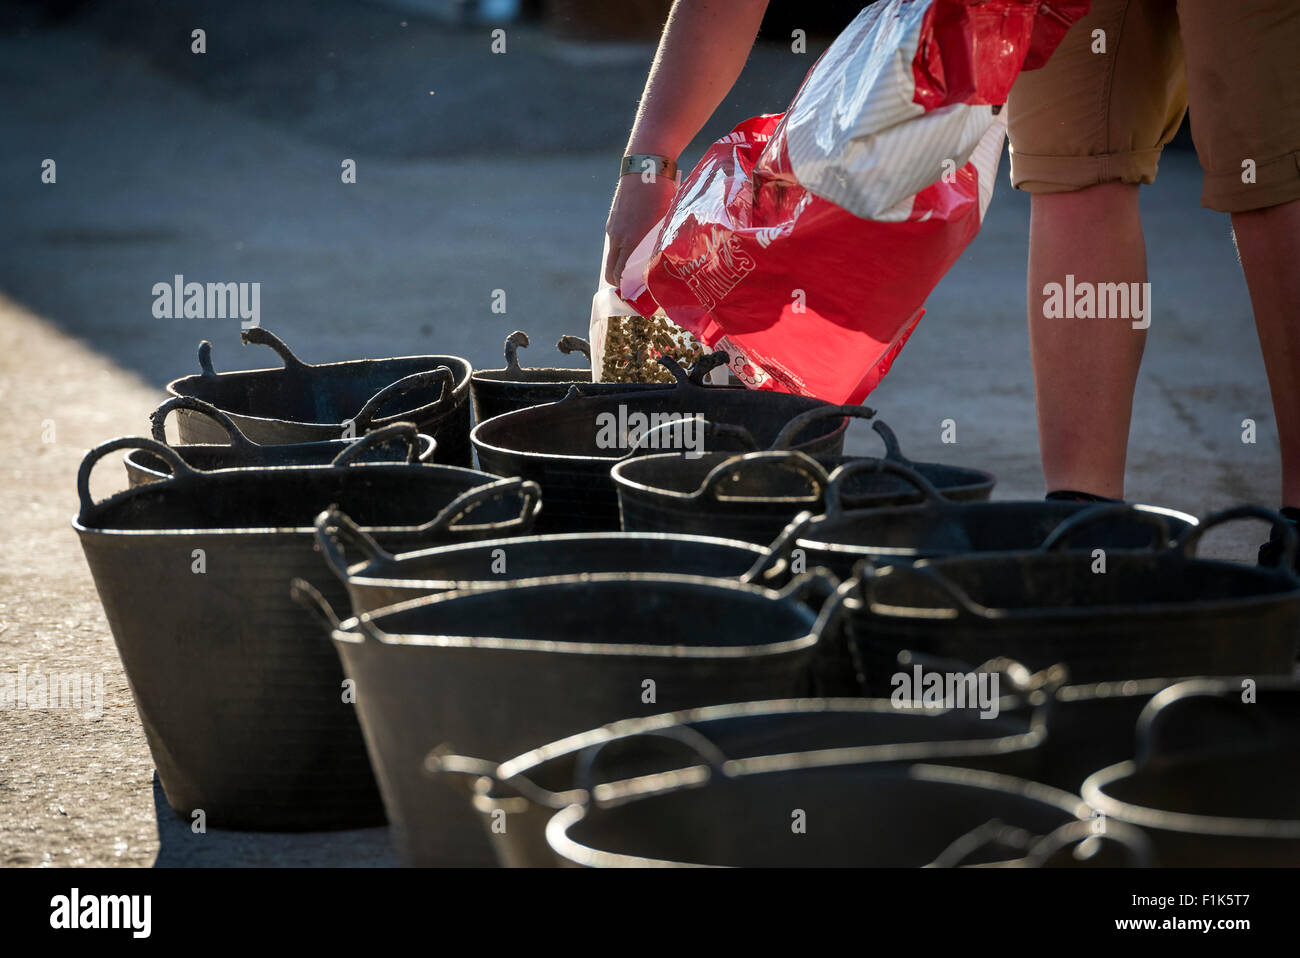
x=701, y=53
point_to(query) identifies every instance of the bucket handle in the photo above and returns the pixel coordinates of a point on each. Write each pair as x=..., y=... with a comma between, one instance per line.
x=441, y=761
x=712, y=430
x=1141, y=853
x=260, y=336
x=575, y=392
x=785, y=438
x=309, y=597
x=791, y=459
x=1104, y=510
x=702, y=367
x=169, y=455
x=367, y=628
x=776, y=558
x=1022, y=679
x=570, y=344
x=513, y=342
x=1039, y=849
x=834, y=649
x=158, y=419
x=695, y=740
x=981, y=836
x=566, y=345
x=840, y=477
x=365, y=417
x=1187, y=541
x=682, y=379
x=1037, y=690
x=833, y=608
x=406, y=431
x=962, y=603
x=1152, y=730
x=893, y=451
x=808, y=586
x=529, y=492
x=705, y=365
x=333, y=529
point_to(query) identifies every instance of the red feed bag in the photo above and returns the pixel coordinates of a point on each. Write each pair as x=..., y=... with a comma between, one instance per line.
x=804, y=244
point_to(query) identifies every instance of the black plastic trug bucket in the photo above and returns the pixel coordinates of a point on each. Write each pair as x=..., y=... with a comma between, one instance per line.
x=938, y=526
x=240, y=453
x=305, y=402
x=1150, y=614
x=499, y=391
x=868, y=814
x=491, y=673
x=568, y=447
x=517, y=798
x=751, y=495
x=958, y=483
x=240, y=699
x=1090, y=726
x=1085, y=727
x=1216, y=780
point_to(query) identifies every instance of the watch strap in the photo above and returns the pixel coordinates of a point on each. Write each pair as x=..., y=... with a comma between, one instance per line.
x=642, y=163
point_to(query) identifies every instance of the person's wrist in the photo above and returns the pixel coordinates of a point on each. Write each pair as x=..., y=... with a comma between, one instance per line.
x=648, y=166
x=646, y=183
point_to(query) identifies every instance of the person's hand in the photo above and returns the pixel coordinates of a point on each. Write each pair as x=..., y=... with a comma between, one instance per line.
x=637, y=207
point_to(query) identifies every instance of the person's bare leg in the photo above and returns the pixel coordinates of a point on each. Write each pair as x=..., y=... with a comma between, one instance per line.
x=1085, y=370
x=1268, y=242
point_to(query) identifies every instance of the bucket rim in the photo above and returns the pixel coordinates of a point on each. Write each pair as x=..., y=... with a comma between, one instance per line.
x=460, y=388
x=557, y=538
x=1144, y=816
x=795, y=706
x=357, y=631
x=849, y=517
x=1285, y=591
x=83, y=527
x=428, y=448
x=559, y=825
x=476, y=434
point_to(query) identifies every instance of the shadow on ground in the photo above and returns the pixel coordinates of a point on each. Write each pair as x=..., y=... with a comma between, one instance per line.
x=179, y=846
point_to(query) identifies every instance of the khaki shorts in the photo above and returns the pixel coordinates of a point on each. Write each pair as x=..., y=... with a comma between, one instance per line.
x=1092, y=117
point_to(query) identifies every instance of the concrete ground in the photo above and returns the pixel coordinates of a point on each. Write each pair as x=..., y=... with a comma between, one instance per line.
x=163, y=169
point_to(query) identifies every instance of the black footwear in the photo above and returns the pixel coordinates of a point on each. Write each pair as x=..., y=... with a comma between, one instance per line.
x=1272, y=551
x=1073, y=495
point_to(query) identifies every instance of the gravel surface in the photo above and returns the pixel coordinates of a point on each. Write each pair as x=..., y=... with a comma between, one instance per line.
x=77, y=786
